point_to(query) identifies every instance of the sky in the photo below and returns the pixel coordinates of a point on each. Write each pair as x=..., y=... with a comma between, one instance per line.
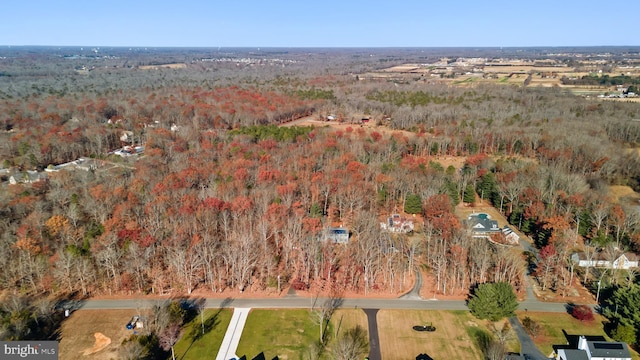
x=326, y=23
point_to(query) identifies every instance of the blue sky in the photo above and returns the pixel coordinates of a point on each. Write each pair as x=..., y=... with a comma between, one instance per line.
x=328, y=23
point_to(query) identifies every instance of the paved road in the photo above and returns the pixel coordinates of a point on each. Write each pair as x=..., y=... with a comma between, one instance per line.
x=527, y=347
x=414, y=293
x=374, y=339
x=302, y=303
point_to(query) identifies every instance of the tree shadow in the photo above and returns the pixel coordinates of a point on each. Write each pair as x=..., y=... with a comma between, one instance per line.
x=197, y=332
x=424, y=357
x=572, y=340
x=569, y=307
x=481, y=338
x=259, y=357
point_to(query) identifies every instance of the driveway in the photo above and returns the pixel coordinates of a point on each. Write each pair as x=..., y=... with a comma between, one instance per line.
x=527, y=347
x=374, y=339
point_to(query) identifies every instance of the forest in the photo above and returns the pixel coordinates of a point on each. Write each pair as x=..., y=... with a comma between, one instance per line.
x=224, y=198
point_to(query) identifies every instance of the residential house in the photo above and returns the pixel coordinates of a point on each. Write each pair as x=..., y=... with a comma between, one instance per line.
x=482, y=226
x=28, y=177
x=397, y=224
x=337, y=235
x=621, y=261
x=511, y=236
x=595, y=350
x=86, y=164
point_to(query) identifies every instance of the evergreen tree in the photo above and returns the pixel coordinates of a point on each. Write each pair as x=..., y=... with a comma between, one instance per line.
x=488, y=188
x=315, y=211
x=469, y=194
x=413, y=204
x=451, y=189
x=623, y=309
x=493, y=301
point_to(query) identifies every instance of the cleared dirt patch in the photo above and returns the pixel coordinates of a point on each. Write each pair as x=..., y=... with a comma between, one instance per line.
x=399, y=341
x=94, y=334
x=101, y=343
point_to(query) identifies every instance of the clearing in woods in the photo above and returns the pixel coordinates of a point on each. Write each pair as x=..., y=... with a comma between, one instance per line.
x=94, y=334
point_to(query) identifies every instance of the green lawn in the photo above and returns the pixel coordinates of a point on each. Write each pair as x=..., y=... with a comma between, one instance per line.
x=554, y=324
x=194, y=345
x=279, y=332
x=289, y=333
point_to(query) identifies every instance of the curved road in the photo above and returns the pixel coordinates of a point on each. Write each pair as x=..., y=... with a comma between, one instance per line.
x=414, y=293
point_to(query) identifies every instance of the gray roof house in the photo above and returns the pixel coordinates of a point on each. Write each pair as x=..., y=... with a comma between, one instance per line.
x=482, y=226
x=595, y=350
x=27, y=177
x=337, y=235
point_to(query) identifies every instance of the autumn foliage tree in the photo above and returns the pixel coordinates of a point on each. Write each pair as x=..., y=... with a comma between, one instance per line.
x=582, y=313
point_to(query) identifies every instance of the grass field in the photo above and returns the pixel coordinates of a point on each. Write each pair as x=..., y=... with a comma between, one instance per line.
x=283, y=333
x=77, y=333
x=343, y=320
x=398, y=340
x=289, y=334
x=194, y=345
x=554, y=324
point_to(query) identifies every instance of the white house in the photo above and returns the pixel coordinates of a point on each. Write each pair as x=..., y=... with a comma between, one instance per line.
x=397, y=224
x=27, y=177
x=623, y=261
x=595, y=350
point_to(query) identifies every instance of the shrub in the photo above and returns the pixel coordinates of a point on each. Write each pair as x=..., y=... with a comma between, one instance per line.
x=582, y=313
x=532, y=326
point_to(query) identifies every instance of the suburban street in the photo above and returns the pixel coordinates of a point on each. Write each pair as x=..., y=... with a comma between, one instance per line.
x=301, y=303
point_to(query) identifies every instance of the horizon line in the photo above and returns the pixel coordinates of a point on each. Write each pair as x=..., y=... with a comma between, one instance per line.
x=327, y=47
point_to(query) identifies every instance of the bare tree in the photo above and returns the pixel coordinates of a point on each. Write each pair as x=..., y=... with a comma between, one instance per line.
x=131, y=350
x=351, y=345
x=169, y=337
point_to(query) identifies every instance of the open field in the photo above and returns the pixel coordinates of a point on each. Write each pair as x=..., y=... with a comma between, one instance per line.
x=166, y=66
x=624, y=195
x=526, y=69
x=344, y=319
x=78, y=334
x=555, y=324
x=398, y=341
x=195, y=346
x=283, y=333
x=288, y=334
